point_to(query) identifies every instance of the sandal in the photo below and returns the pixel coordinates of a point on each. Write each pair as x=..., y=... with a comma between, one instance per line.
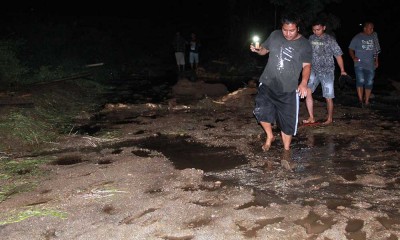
x=306, y=121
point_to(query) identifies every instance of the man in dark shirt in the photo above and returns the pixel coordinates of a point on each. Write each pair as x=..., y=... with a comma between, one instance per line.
x=277, y=100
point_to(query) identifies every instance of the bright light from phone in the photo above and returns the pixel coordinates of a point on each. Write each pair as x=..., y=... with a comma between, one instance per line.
x=256, y=41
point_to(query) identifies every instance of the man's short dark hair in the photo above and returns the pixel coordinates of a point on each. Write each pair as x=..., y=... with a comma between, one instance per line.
x=368, y=23
x=318, y=21
x=290, y=18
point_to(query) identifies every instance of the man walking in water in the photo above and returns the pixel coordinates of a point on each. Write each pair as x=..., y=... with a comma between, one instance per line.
x=324, y=50
x=277, y=100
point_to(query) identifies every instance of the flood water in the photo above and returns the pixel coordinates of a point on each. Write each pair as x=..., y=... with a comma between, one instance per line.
x=329, y=169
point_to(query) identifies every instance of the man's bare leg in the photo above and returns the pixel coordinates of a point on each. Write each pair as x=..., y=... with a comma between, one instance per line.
x=270, y=136
x=286, y=139
x=310, y=107
x=329, y=108
x=367, y=95
x=360, y=93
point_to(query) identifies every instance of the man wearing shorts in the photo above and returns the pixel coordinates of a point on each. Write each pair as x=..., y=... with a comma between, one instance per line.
x=277, y=100
x=364, y=49
x=179, y=45
x=194, y=46
x=324, y=49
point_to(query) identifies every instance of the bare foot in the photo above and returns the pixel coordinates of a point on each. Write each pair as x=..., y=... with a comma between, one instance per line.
x=310, y=120
x=267, y=144
x=286, y=160
x=285, y=164
x=266, y=147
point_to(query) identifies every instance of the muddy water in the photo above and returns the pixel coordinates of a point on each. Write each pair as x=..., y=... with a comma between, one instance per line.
x=326, y=168
x=185, y=153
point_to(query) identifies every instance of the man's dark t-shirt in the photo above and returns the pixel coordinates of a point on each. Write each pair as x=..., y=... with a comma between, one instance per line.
x=285, y=61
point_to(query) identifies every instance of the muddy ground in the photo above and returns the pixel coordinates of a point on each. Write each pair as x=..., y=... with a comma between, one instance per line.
x=181, y=171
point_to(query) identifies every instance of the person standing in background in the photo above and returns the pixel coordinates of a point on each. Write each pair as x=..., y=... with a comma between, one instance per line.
x=325, y=48
x=179, y=45
x=364, y=49
x=194, y=46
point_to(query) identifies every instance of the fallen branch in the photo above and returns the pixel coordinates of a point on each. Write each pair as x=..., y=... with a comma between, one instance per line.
x=72, y=77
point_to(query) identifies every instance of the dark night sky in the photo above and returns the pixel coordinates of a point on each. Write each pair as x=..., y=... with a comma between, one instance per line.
x=204, y=16
x=210, y=19
x=194, y=12
x=148, y=17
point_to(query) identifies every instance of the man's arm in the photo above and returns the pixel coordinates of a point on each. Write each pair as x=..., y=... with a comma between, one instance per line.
x=340, y=63
x=260, y=51
x=353, y=55
x=305, y=75
x=376, y=61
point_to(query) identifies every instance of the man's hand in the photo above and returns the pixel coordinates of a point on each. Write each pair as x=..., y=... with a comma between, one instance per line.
x=302, y=91
x=260, y=51
x=253, y=48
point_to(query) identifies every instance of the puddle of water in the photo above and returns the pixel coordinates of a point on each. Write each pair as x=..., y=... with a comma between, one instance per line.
x=116, y=151
x=354, y=225
x=104, y=161
x=141, y=153
x=259, y=224
x=185, y=153
x=335, y=203
x=68, y=160
x=315, y=224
